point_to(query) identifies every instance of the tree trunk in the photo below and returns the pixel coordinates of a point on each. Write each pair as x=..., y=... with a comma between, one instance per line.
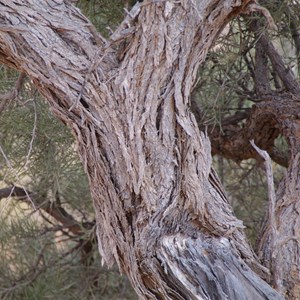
x=161, y=212
x=279, y=242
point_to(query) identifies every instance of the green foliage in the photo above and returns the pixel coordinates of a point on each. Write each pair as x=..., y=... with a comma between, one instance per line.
x=104, y=14
x=225, y=87
x=39, y=258
x=37, y=265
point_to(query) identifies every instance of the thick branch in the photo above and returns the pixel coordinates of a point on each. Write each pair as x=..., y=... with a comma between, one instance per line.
x=273, y=238
x=268, y=119
x=148, y=164
x=294, y=27
x=261, y=79
x=231, y=140
x=55, y=211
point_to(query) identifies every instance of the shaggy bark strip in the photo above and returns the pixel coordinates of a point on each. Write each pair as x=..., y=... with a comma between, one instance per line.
x=161, y=212
x=284, y=258
x=280, y=251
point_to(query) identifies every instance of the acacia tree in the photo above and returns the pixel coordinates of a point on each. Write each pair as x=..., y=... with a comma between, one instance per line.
x=161, y=211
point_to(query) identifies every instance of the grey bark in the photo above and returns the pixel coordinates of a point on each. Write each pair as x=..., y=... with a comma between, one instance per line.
x=283, y=257
x=278, y=245
x=161, y=212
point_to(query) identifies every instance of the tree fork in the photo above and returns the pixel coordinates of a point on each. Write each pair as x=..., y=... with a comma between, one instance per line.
x=161, y=213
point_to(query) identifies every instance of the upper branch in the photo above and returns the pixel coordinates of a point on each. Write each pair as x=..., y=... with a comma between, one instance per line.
x=285, y=74
x=52, y=42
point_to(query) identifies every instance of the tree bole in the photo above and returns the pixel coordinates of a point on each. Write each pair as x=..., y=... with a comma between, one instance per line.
x=161, y=212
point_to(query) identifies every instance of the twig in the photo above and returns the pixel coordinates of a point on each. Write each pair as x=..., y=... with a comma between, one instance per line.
x=13, y=93
x=32, y=137
x=253, y=7
x=43, y=205
x=17, y=176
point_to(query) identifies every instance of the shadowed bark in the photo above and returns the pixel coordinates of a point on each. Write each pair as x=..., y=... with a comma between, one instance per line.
x=161, y=212
x=278, y=244
x=283, y=258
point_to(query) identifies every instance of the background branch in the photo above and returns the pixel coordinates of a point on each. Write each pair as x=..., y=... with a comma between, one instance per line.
x=13, y=93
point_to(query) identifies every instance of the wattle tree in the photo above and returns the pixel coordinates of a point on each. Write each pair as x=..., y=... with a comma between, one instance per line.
x=162, y=214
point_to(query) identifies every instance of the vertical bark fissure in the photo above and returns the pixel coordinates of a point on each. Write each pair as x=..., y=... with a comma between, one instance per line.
x=156, y=197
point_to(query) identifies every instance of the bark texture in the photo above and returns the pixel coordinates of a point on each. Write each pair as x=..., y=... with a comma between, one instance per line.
x=278, y=245
x=279, y=242
x=275, y=113
x=161, y=212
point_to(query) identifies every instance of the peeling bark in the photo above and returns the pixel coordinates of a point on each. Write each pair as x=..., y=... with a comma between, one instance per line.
x=283, y=259
x=278, y=244
x=161, y=212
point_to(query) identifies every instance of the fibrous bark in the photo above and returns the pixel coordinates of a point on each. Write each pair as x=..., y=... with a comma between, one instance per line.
x=161, y=212
x=282, y=258
x=276, y=113
x=279, y=240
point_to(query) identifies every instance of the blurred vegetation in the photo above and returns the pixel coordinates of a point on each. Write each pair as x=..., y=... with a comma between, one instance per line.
x=225, y=87
x=39, y=258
